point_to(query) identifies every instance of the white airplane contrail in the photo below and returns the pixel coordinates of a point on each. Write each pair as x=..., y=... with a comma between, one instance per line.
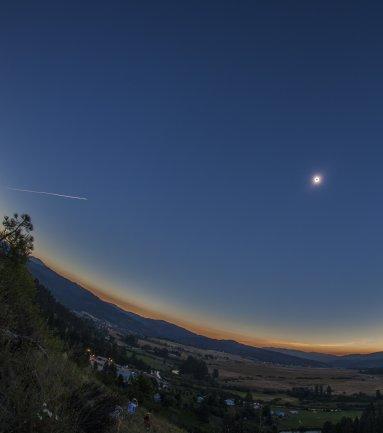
x=47, y=193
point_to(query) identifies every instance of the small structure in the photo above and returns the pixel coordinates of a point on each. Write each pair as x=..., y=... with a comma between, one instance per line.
x=132, y=406
x=157, y=398
x=200, y=399
x=156, y=374
x=99, y=361
x=126, y=373
x=230, y=402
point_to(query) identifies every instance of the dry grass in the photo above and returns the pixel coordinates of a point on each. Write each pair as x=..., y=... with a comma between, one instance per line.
x=158, y=425
x=263, y=376
x=241, y=372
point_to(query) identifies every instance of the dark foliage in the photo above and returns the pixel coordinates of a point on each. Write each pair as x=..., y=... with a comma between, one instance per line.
x=194, y=367
x=77, y=333
x=15, y=237
x=371, y=421
x=93, y=404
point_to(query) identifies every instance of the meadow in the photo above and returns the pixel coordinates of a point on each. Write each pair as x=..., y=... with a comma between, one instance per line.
x=269, y=381
x=314, y=419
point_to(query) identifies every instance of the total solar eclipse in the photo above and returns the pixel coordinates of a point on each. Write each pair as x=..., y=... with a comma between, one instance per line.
x=317, y=179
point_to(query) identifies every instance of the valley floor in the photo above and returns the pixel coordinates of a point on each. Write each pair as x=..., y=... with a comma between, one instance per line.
x=236, y=371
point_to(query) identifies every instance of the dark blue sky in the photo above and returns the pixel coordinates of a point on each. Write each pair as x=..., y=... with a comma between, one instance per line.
x=193, y=128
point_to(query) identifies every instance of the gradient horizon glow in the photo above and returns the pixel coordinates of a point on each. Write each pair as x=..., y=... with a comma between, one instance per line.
x=195, y=131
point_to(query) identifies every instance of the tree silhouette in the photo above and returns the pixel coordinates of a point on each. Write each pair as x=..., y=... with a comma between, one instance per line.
x=16, y=240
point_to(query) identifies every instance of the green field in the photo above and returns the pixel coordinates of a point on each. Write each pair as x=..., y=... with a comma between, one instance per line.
x=306, y=418
x=154, y=362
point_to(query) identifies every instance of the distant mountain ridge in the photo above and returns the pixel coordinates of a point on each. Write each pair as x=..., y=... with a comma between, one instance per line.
x=314, y=356
x=357, y=361
x=77, y=298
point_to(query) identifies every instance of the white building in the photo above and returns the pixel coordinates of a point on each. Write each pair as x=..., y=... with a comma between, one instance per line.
x=125, y=373
x=99, y=361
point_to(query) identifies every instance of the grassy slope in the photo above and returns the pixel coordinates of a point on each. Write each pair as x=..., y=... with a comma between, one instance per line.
x=314, y=419
x=159, y=425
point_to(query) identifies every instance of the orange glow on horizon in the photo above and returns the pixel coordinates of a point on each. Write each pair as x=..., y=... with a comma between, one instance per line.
x=208, y=331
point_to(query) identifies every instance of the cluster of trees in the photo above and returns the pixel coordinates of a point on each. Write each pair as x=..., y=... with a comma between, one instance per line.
x=317, y=392
x=131, y=340
x=321, y=391
x=211, y=414
x=16, y=240
x=246, y=420
x=161, y=352
x=197, y=368
x=371, y=421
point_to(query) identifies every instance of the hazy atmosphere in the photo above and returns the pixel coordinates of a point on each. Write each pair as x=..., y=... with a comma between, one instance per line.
x=195, y=130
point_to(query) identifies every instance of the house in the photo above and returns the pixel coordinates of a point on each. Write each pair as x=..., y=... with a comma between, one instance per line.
x=157, y=398
x=200, y=399
x=230, y=402
x=99, y=361
x=125, y=373
x=155, y=375
x=176, y=372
